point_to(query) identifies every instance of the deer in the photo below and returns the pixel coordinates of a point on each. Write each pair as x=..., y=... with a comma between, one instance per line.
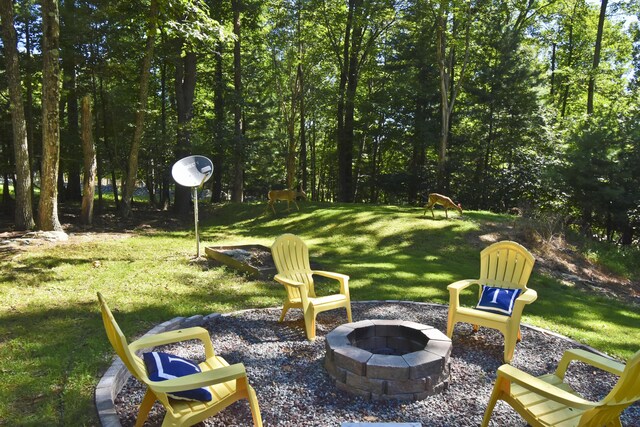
x=444, y=201
x=288, y=195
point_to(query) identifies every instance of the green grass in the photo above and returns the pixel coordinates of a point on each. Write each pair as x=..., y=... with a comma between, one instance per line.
x=52, y=344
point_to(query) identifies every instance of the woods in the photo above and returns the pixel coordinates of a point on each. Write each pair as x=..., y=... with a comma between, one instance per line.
x=528, y=104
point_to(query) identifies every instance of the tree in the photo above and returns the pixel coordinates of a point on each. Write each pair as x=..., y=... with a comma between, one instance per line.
x=90, y=166
x=48, y=205
x=23, y=210
x=238, y=115
x=596, y=57
x=364, y=22
x=143, y=90
x=450, y=16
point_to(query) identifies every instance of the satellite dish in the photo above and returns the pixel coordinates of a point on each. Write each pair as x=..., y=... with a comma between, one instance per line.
x=192, y=171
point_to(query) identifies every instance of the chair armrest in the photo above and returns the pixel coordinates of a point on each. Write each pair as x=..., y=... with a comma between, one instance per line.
x=543, y=388
x=201, y=379
x=171, y=337
x=454, y=291
x=331, y=275
x=287, y=282
x=343, y=279
x=527, y=297
x=462, y=284
x=589, y=358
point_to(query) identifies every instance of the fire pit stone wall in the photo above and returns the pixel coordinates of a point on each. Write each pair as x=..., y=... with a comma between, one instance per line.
x=388, y=359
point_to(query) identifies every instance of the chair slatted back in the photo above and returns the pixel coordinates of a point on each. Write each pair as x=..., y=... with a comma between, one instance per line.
x=291, y=257
x=134, y=364
x=506, y=264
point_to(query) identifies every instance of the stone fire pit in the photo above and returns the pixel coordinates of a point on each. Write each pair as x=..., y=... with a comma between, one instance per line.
x=388, y=359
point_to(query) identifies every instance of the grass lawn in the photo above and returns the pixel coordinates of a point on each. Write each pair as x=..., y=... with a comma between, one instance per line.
x=52, y=344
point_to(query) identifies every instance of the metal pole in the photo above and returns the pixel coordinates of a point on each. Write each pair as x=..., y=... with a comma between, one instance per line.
x=195, y=213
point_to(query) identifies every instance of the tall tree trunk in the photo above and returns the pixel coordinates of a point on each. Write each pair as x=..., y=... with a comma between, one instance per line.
x=48, y=206
x=314, y=190
x=28, y=111
x=111, y=150
x=185, y=90
x=72, y=146
x=143, y=91
x=219, y=126
x=24, y=209
x=238, y=169
x=301, y=89
x=565, y=94
x=448, y=90
x=90, y=163
x=596, y=57
x=303, y=132
x=553, y=71
x=346, y=106
x=165, y=195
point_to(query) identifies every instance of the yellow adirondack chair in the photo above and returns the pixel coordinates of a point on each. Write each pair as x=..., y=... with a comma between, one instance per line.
x=291, y=257
x=227, y=383
x=506, y=265
x=548, y=401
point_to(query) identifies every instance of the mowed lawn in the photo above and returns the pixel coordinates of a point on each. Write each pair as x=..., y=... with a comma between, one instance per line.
x=52, y=344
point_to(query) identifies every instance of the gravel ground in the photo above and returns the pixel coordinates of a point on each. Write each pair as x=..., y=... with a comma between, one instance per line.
x=294, y=389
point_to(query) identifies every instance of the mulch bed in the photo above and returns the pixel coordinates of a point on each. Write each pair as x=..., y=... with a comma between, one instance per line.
x=294, y=389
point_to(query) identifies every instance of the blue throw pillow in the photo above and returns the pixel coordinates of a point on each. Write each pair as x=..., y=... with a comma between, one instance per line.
x=164, y=366
x=497, y=300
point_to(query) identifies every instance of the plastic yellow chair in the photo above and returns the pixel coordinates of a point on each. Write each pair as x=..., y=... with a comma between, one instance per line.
x=506, y=265
x=291, y=257
x=548, y=401
x=226, y=383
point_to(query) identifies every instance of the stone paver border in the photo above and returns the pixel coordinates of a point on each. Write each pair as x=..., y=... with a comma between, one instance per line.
x=117, y=375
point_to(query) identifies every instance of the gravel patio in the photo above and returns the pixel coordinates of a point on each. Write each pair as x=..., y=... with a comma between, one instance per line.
x=295, y=390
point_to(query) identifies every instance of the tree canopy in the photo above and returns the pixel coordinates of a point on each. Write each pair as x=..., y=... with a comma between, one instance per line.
x=526, y=104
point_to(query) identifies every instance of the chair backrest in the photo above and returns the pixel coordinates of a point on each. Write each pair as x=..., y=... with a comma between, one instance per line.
x=624, y=393
x=291, y=257
x=506, y=264
x=119, y=342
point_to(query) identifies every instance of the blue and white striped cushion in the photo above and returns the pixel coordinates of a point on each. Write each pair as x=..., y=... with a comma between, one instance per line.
x=164, y=366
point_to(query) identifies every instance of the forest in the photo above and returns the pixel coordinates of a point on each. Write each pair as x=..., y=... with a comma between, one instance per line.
x=522, y=105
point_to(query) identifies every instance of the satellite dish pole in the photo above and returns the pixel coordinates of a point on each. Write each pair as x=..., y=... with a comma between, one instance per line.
x=193, y=171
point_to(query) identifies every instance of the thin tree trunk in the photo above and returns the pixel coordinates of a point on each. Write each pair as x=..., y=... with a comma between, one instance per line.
x=143, y=91
x=48, y=206
x=165, y=194
x=24, y=210
x=28, y=111
x=344, y=151
x=219, y=127
x=565, y=95
x=185, y=90
x=553, y=71
x=90, y=163
x=314, y=190
x=448, y=90
x=238, y=176
x=596, y=57
x=71, y=140
x=303, y=133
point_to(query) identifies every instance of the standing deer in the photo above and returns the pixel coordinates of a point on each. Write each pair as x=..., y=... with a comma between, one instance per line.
x=444, y=201
x=288, y=195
